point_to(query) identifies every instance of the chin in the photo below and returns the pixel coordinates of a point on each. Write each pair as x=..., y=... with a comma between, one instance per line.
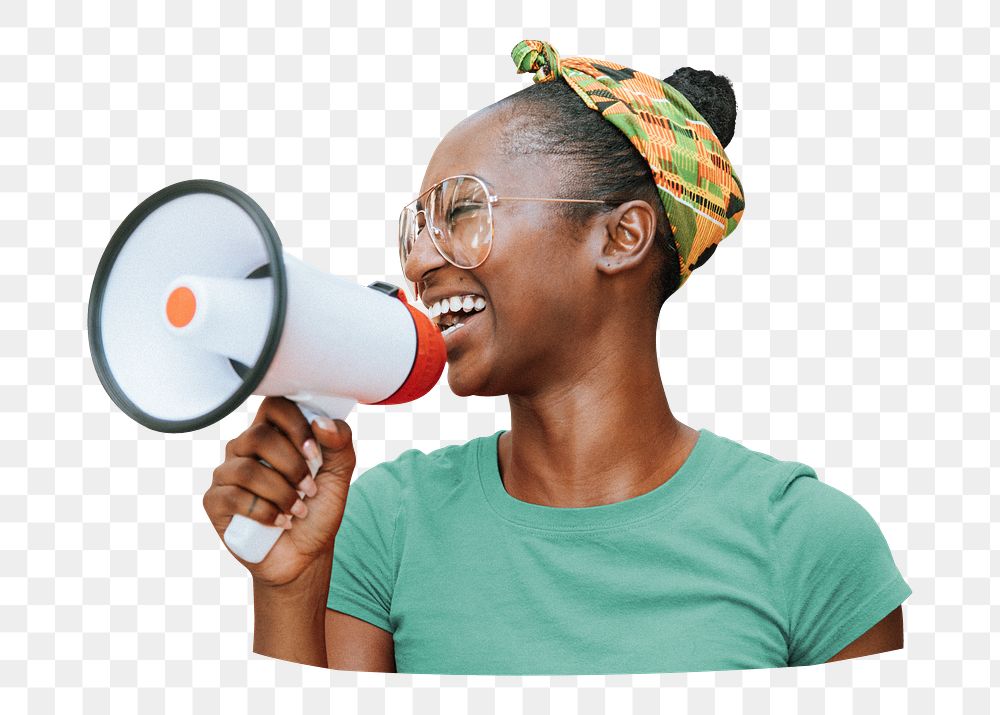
x=462, y=388
x=477, y=370
x=464, y=384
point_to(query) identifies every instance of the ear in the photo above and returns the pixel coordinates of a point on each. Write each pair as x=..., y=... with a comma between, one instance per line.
x=629, y=233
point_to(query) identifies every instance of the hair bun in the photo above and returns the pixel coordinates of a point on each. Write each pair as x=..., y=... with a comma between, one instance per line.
x=712, y=95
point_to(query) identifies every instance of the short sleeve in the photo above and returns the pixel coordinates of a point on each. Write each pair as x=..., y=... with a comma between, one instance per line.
x=364, y=551
x=834, y=568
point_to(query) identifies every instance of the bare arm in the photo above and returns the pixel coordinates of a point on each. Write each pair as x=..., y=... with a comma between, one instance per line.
x=293, y=623
x=884, y=636
x=354, y=644
x=289, y=619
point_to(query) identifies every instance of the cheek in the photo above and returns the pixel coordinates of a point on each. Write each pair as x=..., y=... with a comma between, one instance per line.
x=532, y=249
x=533, y=277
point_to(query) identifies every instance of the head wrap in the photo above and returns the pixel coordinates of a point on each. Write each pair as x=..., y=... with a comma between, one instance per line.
x=701, y=195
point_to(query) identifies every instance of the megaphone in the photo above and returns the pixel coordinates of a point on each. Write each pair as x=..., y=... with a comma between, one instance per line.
x=195, y=306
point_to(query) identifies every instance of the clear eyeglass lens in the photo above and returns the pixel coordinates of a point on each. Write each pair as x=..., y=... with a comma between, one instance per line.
x=460, y=213
x=406, y=241
x=411, y=223
x=459, y=224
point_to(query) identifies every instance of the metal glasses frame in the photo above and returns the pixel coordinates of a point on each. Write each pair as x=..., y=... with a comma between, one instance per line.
x=491, y=199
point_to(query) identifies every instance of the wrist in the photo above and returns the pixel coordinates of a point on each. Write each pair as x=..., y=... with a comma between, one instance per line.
x=289, y=619
x=310, y=585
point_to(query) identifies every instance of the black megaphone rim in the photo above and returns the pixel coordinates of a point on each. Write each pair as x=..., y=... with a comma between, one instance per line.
x=252, y=377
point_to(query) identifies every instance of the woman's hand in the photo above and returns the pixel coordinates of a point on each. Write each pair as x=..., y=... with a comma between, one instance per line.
x=317, y=462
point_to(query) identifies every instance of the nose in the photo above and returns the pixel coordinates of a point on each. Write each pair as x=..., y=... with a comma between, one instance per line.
x=422, y=258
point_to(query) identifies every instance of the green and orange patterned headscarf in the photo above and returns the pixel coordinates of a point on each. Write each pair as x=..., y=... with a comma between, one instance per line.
x=702, y=196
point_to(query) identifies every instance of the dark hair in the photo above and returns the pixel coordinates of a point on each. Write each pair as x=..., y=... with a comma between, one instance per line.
x=550, y=118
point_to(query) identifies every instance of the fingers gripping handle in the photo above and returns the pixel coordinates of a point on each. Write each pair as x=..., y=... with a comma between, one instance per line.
x=251, y=540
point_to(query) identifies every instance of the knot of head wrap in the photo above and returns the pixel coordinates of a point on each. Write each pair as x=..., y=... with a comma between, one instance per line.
x=538, y=57
x=701, y=194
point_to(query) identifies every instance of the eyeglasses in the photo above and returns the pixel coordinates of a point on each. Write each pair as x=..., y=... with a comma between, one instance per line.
x=459, y=212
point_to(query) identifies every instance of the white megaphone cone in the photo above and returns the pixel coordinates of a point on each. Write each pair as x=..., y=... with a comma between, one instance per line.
x=195, y=307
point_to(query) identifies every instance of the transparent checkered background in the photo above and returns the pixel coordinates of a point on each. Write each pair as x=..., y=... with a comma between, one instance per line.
x=847, y=323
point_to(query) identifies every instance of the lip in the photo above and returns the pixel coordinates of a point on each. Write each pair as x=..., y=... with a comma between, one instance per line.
x=455, y=338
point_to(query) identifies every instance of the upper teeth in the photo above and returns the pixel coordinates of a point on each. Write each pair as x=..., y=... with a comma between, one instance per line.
x=457, y=303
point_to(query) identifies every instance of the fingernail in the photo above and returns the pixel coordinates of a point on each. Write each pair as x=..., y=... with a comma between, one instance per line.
x=308, y=487
x=281, y=520
x=300, y=509
x=313, y=456
x=325, y=423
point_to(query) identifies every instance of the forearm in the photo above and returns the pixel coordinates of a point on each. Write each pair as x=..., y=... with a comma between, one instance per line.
x=289, y=620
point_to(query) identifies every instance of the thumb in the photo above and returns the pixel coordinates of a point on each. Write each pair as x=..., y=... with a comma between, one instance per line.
x=336, y=446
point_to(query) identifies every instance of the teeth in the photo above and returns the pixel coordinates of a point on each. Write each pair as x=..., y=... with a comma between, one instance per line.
x=455, y=304
x=452, y=329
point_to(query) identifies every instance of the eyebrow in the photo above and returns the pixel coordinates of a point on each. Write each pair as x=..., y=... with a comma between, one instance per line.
x=420, y=204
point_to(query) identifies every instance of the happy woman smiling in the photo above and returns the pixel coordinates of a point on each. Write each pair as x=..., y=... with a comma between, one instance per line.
x=599, y=534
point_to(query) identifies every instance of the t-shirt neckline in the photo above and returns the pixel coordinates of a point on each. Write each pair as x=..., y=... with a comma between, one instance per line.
x=591, y=518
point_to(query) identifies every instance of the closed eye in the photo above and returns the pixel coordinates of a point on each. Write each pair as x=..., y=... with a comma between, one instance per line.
x=464, y=208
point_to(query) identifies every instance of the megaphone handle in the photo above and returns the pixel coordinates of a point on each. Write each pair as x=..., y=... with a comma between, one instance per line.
x=251, y=540
x=314, y=406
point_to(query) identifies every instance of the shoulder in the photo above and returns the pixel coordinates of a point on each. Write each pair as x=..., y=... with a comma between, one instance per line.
x=790, y=491
x=787, y=499
x=752, y=479
x=833, y=574
x=817, y=526
x=800, y=503
x=812, y=524
x=415, y=473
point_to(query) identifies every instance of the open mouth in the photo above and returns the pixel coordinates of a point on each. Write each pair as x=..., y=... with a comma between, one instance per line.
x=463, y=321
x=448, y=313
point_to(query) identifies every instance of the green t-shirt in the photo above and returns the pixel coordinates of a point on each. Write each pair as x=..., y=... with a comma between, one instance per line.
x=738, y=561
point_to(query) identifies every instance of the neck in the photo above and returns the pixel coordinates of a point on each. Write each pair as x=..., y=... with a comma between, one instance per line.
x=595, y=438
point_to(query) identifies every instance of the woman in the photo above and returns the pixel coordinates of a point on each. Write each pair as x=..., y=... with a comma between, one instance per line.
x=599, y=534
